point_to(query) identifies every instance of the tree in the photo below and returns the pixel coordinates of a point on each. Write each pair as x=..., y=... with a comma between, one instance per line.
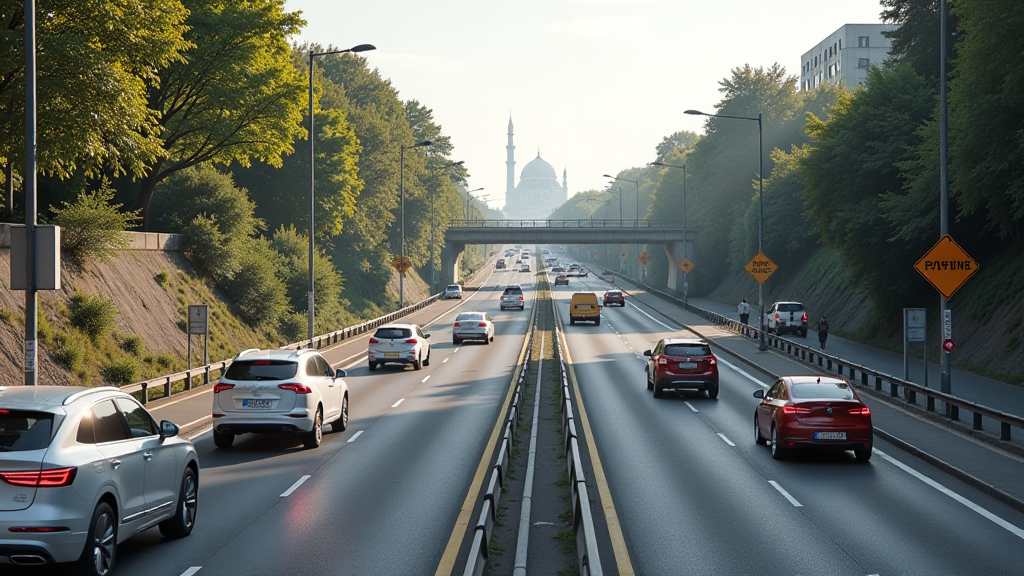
x=916, y=41
x=235, y=97
x=681, y=139
x=93, y=227
x=90, y=81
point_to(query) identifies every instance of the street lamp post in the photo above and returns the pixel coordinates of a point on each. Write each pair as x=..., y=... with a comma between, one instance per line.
x=401, y=193
x=469, y=196
x=312, y=175
x=762, y=341
x=682, y=167
x=635, y=183
x=433, y=281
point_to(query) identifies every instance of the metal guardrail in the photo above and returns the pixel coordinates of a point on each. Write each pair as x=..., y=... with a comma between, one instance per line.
x=317, y=342
x=478, y=550
x=860, y=374
x=573, y=223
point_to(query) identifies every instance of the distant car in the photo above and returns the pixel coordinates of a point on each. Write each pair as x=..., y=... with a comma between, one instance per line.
x=524, y=268
x=682, y=364
x=582, y=273
x=562, y=280
x=84, y=469
x=401, y=344
x=783, y=317
x=814, y=413
x=283, y=391
x=558, y=270
x=512, y=297
x=452, y=291
x=616, y=297
x=500, y=263
x=473, y=326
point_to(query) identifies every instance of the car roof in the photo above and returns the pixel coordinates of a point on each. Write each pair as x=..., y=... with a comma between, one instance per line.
x=49, y=397
x=684, y=341
x=815, y=379
x=274, y=354
x=398, y=325
x=789, y=302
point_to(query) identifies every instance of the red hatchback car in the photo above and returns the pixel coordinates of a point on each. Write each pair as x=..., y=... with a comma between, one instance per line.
x=617, y=297
x=682, y=364
x=813, y=412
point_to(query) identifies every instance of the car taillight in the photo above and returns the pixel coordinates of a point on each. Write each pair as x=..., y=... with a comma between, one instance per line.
x=712, y=361
x=456, y=324
x=663, y=361
x=297, y=388
x=795, y=410
x=865, y=411
x=483, y=323
x=374, y=340
x=804, y=318
x=219, y=387
x=38, y=529
x=520, y=298
x=776, y=316
x=41, y=478
x=411, y=341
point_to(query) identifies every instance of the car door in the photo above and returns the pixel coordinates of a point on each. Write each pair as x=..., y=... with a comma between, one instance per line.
x=121, y=458
x=158, y=455
x=424, y=343
x=331, y=388
x=652, y=360
x=769, y=317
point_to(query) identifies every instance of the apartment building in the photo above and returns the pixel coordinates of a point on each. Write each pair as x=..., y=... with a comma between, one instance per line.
x=845, y=56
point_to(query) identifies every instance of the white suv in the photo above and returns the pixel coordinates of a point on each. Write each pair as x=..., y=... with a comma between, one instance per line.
x=785, y=317
x=399, y=343
x=284, y=391
x=83, y=469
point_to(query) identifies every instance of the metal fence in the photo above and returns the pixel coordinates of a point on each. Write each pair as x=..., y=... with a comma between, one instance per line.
x=576, y=223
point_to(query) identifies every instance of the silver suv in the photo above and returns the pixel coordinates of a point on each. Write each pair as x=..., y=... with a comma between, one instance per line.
x=785, y=317
x=512, y=297
x=83, y=469
x=283, y=391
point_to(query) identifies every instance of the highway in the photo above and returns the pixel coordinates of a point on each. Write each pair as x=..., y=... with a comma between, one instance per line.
x=696, y=495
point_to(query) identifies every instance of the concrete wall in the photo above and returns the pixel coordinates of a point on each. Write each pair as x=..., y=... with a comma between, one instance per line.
x=138, y=240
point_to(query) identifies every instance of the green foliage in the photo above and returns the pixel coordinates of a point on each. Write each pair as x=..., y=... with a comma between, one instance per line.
x=133, y=345
x=122, y=371
x=916, y=41
x=6, y=316
x=257, y=289
x=327, y=283
x=162, y=278
x=673, y=142
x=68, y=351
x=92, y=227
x=95, y=314
x=212, y=250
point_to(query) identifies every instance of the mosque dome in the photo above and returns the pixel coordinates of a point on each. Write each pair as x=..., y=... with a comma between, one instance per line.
x=538, y=168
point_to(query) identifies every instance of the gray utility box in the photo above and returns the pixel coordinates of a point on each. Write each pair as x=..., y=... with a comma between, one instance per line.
x=47, y=258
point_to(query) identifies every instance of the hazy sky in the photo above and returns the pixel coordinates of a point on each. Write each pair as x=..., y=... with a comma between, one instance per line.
x=594, y=84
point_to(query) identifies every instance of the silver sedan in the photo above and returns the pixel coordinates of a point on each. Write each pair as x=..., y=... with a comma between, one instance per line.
x=473, y=326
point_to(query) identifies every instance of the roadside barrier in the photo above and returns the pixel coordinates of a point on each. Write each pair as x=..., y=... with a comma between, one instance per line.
x=868, y=378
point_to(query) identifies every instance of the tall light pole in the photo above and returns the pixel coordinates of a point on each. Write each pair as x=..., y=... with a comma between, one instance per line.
x=469, y=196
x=637, y=184
x=686, y=284
x=312, y=176
x=29, y=185
x=401, y=193
x=433, y=281
x=762, y=341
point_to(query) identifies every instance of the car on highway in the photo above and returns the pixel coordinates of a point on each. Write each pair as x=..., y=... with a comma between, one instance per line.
x=558, y=270
x=473, y=326
x=84, y=469
x=500, y=264
x=786, y=317
x=813, y=413
x=452, y=292
x=401, y=344
x=561, y=280
x=616, y=297
x=682, y=364
x=525, y=267
x=279, y=391
x=512, y=297
x=583, y=307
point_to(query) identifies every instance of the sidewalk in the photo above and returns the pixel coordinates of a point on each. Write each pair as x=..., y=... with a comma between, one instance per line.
x=987, y=392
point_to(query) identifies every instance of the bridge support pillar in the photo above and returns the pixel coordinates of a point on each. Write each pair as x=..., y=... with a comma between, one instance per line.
x=451, y=260
x=674, y=254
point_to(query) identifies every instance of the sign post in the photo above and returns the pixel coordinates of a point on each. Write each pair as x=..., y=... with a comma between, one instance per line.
x=402, y=264
x=198, y=325
x=914, y=330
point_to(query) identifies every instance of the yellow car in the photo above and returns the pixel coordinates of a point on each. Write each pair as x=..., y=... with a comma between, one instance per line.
x=584, y=307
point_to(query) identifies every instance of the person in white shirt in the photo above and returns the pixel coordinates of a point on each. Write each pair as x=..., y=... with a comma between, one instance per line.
x=744, y=310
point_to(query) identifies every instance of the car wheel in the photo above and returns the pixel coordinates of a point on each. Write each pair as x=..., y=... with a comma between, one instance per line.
x=488, y=340
x=778, y=452
x=427, y=361
x=758, y=439
x=597, y=322
x=863, y=454
x=492, y=338
x=373, y=366
x=713, y=391
x=456, y=341
x=98, y=557
x=313, y=438
x=803, y=332
x=657, y=391
x=223, y=439
x=417, y=364
x=572, y=321
x=180, y=525
x=650, y=385
x=341, y=423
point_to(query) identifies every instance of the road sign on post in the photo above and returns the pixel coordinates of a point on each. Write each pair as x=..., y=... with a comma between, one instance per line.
x=623, y=255
x=914, y=330
x=761, y=267
x=946, y=266
x=402, y=264
x=686, y=265
x=198, y=324
x=644, y=259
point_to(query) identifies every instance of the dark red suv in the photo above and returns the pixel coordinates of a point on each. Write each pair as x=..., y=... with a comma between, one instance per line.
x=616, y=297
x=682, y=364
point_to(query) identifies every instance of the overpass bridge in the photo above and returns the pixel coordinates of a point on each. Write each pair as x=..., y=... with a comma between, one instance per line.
x=668, y=233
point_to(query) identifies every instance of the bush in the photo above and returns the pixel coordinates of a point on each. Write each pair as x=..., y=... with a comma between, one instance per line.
x=122, y=371
x=67, y=351
x=93, y=313
x=294, y=326
x=6, y=315
x=209, y=248
x=163, y=361
x=257, y=290
x=133, y=345
x=162, y=278
x=92, y=227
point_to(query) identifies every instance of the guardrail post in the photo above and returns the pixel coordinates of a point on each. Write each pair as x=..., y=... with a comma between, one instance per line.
x=930, y=403
x=167, y=384
x=206, y=376
x=912, y=396
x=977, y=421
x=894, y=389
x=864, y=378
x=954, y=412
x=829, y=365
x=878, y=383
x=1004, y=431
x=145, y=392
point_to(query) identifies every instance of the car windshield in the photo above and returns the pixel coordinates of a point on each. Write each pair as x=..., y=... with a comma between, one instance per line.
x=827, y=390
x=687, y=350
x=21, y=430
x=393, y=333
x=614, y=293
x=261, y=370
x=453, y=288
x=470, y=317
x=791, y=307
x=513, y=290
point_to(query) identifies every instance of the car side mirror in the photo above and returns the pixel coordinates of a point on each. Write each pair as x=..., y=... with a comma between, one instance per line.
x=339, y=373
x=426, y=335
x=758, y=393
x=647, y=353
x=168, y=429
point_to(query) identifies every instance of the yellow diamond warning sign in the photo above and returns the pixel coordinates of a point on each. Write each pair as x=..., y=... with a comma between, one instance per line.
x=402, y=264
x=946, y=266
x=686, y=265
x=761, y=267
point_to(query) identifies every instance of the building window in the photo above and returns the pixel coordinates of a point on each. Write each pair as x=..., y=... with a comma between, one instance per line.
x=863, y=63
x=863, y=42
x=840, y=43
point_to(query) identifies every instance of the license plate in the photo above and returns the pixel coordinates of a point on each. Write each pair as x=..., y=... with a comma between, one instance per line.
x=584, y=306
x=687, y=365
x=255, y=403
x=830, y=435
x=391, y=354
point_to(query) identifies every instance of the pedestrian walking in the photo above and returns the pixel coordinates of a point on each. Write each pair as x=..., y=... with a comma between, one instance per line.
x=822, y=331
x=744, y=310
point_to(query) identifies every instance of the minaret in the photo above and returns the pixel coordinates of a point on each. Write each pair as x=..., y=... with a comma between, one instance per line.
x=565, y=185
x=510, y=163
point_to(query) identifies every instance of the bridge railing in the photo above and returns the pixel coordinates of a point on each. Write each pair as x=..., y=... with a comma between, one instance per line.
x=587, y=223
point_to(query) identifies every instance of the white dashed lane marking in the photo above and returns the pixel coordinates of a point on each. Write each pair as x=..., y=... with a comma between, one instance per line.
x=354, y=436
x=396, y=404
x=782, y=491
x=691, y=407
x=425, y=379
x=191, y=571
x=727, y=441
x=295, y=486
